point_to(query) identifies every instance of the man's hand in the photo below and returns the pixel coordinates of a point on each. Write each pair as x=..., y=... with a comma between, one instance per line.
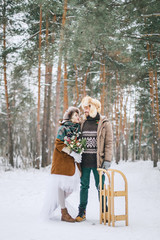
x=106, y=165
x=77, y=157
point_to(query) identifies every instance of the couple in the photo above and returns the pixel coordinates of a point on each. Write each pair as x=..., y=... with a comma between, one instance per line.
x=67, y=165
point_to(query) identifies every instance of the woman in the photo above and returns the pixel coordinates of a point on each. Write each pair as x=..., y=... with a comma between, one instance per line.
x=65, y=174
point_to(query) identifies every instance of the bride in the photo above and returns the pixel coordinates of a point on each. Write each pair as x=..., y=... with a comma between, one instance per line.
x=65, y=170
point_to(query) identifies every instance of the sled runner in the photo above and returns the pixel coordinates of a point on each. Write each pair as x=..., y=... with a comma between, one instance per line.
x=110, y=194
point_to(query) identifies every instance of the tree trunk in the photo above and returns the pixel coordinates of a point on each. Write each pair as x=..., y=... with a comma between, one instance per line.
x=157, y=123
x=65, y=95
x=157, y=103
x=126, y=148
x=47, y=100
x=134, y=134
x=57, y=111
x=44, y=129
x=38, y=139
x=85, y=82
x=125, y=131
x=76, y=85
x=154, y=118
x=50, y=67
x=120, y=125
x=10, y=140
x=103, y=91
x=123, y=150
x=140, y=135
x=86, y=75
x=117, y=124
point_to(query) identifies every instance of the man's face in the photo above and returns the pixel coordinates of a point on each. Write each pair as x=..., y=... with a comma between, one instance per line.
x=86, y=110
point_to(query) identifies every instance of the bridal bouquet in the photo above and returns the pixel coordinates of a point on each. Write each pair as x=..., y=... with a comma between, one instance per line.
x=75, y=143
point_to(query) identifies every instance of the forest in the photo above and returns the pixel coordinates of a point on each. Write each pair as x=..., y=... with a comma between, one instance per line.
x=55, y=52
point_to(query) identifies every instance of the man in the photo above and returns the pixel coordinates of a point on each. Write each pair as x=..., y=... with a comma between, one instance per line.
x=98, y=153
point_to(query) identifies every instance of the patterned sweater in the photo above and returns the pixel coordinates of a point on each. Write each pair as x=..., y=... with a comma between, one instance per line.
x=89, y=131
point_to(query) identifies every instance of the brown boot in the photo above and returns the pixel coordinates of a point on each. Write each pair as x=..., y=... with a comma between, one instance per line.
x=65, y=216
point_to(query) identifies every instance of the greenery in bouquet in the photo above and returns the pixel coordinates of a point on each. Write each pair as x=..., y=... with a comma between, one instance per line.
x=75, y=143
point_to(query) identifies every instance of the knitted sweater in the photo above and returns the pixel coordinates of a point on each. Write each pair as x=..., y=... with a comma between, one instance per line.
x=89, y=131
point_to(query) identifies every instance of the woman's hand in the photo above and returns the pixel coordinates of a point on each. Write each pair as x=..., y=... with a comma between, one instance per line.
x=77, y=157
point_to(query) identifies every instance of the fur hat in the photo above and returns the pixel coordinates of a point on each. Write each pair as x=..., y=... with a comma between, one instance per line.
x=95, y=105
x=69, y=112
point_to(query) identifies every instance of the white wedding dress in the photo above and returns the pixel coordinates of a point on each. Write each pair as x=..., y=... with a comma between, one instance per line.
x=56, y=182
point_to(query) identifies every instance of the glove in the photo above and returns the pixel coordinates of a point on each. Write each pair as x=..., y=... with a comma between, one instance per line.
x=106, y=165
x=77, y=157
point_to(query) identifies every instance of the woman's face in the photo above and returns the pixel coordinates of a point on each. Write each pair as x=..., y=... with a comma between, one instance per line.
x=75, y=117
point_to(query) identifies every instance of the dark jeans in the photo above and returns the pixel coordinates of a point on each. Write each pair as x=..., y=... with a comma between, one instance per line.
x=85, y=181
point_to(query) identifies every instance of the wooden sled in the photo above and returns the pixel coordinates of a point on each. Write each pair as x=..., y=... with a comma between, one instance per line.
x=110, y=194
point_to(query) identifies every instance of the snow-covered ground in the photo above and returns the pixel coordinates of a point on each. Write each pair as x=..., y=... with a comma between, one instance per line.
x=22, y=194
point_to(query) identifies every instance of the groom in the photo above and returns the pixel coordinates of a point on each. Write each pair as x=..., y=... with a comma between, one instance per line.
x=97, y=131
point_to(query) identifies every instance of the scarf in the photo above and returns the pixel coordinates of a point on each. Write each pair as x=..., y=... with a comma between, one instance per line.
x=96, y=118
x=69, y=129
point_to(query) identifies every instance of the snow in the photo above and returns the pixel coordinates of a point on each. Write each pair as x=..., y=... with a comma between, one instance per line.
x=22, y=193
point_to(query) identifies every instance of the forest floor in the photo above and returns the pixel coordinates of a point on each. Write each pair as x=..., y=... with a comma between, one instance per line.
x=21, y=199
